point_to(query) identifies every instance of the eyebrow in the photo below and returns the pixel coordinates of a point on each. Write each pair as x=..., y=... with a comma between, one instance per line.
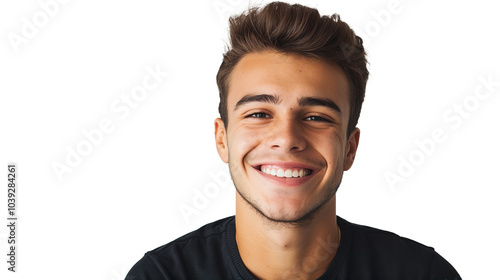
x=266, y=98
x=303, y=101
x=316, y=101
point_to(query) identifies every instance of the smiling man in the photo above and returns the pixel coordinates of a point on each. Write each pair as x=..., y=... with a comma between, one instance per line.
x=291, y=88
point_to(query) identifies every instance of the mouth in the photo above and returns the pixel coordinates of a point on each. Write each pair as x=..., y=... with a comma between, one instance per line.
x=284, y=172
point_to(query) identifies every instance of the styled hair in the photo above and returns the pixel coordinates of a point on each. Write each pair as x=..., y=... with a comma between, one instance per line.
x=296, y=29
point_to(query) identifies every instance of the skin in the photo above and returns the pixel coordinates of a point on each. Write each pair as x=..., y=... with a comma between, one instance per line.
x=280, y=228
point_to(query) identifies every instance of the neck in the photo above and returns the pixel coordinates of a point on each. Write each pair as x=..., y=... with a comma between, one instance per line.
x=274, y=251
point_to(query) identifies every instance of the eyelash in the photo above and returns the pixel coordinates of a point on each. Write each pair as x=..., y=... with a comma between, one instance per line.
x=254, y=115
x=320, y=118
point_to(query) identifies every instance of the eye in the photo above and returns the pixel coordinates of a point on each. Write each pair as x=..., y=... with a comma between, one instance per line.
x=258, y=115
x=316, y=118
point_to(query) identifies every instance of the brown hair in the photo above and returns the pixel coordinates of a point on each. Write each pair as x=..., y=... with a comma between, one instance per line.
x=296, y=29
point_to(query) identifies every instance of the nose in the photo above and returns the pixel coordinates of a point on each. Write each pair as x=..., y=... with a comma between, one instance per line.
x=286, y=135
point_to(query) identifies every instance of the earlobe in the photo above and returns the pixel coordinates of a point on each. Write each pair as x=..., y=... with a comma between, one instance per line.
x=221, y=140
x=352, y=147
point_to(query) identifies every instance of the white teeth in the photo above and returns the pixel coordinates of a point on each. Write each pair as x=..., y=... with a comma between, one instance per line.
x=288, y=173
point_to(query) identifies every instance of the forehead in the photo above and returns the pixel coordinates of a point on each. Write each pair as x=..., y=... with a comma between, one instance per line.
x=289, y=76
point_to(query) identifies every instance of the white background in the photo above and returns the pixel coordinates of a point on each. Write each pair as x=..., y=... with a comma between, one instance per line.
x=124, y=197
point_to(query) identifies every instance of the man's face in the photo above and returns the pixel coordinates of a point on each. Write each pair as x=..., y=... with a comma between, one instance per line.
x=286, y=141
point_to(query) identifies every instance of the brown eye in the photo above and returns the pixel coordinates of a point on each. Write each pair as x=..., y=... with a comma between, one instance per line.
x=258, y=115
x=317, y=119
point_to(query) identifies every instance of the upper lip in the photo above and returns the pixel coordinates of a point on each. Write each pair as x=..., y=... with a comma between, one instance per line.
x=285, y=165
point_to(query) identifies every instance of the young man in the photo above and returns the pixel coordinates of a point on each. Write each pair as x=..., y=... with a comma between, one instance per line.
x=291, y=88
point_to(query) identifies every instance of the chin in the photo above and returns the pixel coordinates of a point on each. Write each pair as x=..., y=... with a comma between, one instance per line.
x=287, y=213
x=289, y=218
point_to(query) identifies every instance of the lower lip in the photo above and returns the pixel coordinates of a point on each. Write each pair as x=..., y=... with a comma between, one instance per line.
x=289, y=182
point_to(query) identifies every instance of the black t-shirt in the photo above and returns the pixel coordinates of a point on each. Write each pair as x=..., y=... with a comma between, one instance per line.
x=364, y=253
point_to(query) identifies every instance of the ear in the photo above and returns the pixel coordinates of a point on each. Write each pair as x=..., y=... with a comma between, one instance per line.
x=351, y=148
x=221, y=140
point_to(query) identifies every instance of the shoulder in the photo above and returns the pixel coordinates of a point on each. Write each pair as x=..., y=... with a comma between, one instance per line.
x=380, y=250
x=187, y=255
x=208, y=234
x=370, y=237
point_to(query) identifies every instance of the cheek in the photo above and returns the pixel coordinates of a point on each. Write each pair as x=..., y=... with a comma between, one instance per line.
x=243, y=141
x=335, y=149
